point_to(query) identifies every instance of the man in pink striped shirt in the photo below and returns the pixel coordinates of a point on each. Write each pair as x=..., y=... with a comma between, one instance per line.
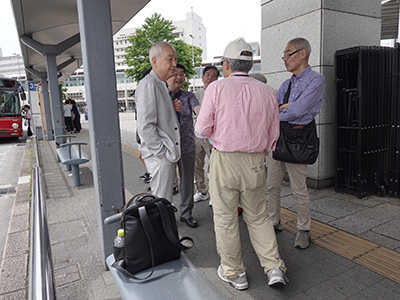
x=239, y=115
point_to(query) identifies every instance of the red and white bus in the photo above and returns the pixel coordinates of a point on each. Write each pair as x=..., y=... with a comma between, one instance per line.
x=11, y=94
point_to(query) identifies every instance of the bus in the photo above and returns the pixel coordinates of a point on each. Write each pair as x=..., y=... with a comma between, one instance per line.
x=11, y=94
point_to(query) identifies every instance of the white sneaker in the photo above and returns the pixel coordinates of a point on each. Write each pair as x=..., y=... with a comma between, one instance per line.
x=239, y=283
x=276, y=277
x=200, y=197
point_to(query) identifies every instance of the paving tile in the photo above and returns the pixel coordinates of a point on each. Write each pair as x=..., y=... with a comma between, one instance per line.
x=336, y=207
x=17, y=244
x=378, y=291
x=13, y=274
x=356, y=223
x=19, y=223
x=363, y=275
x=385, y=212
x=324, y=291
x=345, y=285
x=16, y=295
x=390, y=229
x=391, y=285
x=329, y=267
x=380, y=239
x=66, y=275
x=321, y=217
x=308, y=276
x=21, y=208
x=67, y=230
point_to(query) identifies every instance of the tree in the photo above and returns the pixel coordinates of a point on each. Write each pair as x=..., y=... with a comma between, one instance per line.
x=156, y=29
x=63, y=90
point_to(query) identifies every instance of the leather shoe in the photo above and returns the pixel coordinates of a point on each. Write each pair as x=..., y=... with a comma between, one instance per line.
x=190, y=222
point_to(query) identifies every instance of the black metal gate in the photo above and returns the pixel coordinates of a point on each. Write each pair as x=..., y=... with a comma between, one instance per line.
x=368, y=120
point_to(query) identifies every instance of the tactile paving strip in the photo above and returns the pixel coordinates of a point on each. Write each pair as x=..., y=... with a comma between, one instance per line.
x=374, y=257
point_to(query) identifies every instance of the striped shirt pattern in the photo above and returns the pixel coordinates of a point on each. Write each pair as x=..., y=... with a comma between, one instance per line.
x=306, y=94
x=239, y=114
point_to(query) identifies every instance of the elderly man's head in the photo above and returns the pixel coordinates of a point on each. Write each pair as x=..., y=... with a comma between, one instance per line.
x=296, y=55
x=163, y=60
x=238, y=57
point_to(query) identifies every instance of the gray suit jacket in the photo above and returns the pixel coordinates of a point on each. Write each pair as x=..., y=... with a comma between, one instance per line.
x=157, y=123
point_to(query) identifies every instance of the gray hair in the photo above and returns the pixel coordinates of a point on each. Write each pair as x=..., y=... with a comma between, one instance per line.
x=301, y=43
x=157, y=50
x=259, y=77
x=240, y=65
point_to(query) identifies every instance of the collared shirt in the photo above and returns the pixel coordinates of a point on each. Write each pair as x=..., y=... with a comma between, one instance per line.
x=239, y=114
x=306, y=94
x=189, y=102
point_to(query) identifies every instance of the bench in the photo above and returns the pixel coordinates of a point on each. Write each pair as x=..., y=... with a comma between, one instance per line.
x=178, y=279
x=62, y=139
x=72, y=157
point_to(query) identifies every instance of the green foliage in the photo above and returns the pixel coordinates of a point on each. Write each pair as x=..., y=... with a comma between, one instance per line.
x=63, y=90
x=155, y=29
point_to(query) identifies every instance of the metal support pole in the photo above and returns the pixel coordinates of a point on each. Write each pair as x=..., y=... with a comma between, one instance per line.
x=56, y=103
x=47, y=111
x=105, y=136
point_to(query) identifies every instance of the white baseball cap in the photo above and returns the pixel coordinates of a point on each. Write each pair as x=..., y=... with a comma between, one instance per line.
x=239, y=49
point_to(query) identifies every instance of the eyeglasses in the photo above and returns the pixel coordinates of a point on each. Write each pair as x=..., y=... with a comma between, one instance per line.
x=286, y=55
x=222, y=61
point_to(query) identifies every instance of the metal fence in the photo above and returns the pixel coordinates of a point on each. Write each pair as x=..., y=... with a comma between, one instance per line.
x=367, y=121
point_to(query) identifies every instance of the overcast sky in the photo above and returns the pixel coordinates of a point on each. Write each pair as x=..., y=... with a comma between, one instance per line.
x=225, y=20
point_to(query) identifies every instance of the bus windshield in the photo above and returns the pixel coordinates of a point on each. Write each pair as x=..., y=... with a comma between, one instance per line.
x=9, y=104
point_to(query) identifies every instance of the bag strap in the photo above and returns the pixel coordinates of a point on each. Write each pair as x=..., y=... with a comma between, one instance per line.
x=166, y=221
x=151, y=236
x=286, y=98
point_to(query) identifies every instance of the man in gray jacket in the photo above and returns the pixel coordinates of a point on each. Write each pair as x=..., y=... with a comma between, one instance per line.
x=157, y=121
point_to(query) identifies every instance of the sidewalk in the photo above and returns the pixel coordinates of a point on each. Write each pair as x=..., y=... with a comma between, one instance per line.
x=323, y=271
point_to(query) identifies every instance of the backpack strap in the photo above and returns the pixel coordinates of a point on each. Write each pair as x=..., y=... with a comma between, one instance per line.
x=166, y=221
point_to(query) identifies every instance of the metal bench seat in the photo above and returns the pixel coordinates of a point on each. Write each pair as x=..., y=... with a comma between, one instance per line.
x=178, y=279
x=72, y=157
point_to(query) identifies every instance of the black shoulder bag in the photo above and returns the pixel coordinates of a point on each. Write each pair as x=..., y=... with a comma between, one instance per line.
x=151, y=235
x=297, y=144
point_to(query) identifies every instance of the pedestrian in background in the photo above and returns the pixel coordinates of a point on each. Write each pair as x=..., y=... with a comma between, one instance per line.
x=28, y=118
x=240, y=116
x=76, y=117
x=189, y=104
x=157, y=122
x=68, y=115
x=304, y=91
x=203, y=146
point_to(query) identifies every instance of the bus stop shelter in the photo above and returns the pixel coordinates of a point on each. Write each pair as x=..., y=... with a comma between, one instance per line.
x=56, y=38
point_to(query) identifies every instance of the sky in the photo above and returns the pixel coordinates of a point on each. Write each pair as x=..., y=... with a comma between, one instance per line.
x=223, y=20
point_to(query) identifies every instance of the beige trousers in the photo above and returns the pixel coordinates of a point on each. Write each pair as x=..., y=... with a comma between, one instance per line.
x=203, y=149
x=239, y=178
x=297, y=176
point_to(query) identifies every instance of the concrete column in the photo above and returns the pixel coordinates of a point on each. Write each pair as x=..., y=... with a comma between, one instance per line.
x=56, y=104
x=47, y=110
x=328, y=25
x=101, y=95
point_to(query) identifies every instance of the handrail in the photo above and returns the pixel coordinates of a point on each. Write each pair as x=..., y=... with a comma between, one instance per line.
x=41, y=276
x=37, y=154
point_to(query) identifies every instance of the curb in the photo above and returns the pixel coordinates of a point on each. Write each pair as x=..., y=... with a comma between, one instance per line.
x=14, y=269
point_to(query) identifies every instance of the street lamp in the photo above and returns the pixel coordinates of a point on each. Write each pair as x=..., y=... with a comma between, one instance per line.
x=19, y=71
x=191, y=35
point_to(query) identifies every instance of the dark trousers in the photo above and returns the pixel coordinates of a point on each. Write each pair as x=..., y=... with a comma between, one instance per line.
x=68, y=123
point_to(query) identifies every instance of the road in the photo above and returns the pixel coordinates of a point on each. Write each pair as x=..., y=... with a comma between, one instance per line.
x=11, y=152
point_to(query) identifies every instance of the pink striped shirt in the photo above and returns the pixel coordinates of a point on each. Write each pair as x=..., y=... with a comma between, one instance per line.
x=239, y=114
